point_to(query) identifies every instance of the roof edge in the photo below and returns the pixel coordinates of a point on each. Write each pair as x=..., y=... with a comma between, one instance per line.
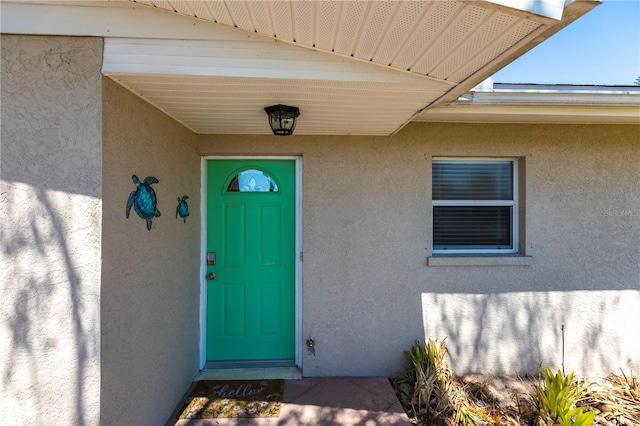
x=551, y=94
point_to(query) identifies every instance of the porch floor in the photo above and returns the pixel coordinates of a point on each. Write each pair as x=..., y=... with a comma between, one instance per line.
x=327, y=401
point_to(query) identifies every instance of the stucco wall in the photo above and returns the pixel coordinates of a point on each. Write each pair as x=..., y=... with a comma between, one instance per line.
x=50, y=224
x=150, y=279
x=368, y=292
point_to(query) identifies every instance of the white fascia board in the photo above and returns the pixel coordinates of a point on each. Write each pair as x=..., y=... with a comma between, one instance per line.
x=548, y=8
x=266, y=58
x=557, y=88
x=552, y=96
x=109, y=19
x=128, y=20
x=531, y=114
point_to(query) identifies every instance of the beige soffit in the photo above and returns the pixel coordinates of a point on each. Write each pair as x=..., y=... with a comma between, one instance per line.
x=352, y=67
x=541, y=103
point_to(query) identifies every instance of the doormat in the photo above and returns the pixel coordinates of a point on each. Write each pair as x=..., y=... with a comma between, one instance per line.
x=210, y=399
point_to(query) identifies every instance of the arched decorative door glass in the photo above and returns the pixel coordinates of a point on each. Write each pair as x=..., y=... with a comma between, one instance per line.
x=252, y=180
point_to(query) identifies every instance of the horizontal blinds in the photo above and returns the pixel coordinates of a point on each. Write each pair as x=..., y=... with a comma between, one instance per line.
x=472, y=180
x=460, y=227
x=473, y=204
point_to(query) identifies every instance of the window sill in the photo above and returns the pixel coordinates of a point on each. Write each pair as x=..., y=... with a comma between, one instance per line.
x=479, y=260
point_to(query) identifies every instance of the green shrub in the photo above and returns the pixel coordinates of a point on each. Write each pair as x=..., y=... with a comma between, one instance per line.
x=557, y=400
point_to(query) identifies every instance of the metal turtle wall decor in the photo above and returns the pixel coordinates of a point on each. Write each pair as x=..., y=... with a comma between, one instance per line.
x=183, y=208
x=144, y=200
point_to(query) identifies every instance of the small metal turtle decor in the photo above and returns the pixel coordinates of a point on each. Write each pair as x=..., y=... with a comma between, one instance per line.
x=144, y=199
x=183, y=208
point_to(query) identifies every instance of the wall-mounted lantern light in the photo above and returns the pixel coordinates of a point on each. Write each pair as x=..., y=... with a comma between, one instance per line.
x=282, y=119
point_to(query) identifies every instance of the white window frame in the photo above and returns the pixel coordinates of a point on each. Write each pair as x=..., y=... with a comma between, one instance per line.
x=512, y=203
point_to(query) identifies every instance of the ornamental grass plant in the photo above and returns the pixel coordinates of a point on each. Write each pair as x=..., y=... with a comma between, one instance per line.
x=432, y=395
x=615, y=400
x=437, y=397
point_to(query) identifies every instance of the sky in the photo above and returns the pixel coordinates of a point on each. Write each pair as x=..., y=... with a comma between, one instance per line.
x=602, y=48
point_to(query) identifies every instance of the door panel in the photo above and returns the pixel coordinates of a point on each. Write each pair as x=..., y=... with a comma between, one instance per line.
x=251, y=301
x=270, y=232
x=234, y=232
x=233, y=307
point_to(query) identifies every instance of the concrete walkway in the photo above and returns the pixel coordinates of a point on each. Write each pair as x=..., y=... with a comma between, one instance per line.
x=320, y=401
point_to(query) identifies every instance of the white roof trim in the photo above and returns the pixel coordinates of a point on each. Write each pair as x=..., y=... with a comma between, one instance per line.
x=534, y=103
x=260, y=58
x=548, y=8
x=116, y=19
x=541, y=95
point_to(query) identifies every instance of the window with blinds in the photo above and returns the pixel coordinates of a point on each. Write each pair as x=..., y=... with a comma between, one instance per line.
x=474, y=205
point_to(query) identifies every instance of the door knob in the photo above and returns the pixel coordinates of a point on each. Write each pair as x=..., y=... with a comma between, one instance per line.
x=211, y=276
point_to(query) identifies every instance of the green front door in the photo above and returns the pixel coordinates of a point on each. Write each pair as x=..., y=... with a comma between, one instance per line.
x=251, y=230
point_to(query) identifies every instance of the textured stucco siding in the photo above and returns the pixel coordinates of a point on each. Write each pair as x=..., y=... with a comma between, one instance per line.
x=50, y=224
x=150, y=279
x=99, y=317
x=368, y=292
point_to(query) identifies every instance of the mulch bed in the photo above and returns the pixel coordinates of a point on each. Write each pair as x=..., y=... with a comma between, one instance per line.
x=507, y=400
